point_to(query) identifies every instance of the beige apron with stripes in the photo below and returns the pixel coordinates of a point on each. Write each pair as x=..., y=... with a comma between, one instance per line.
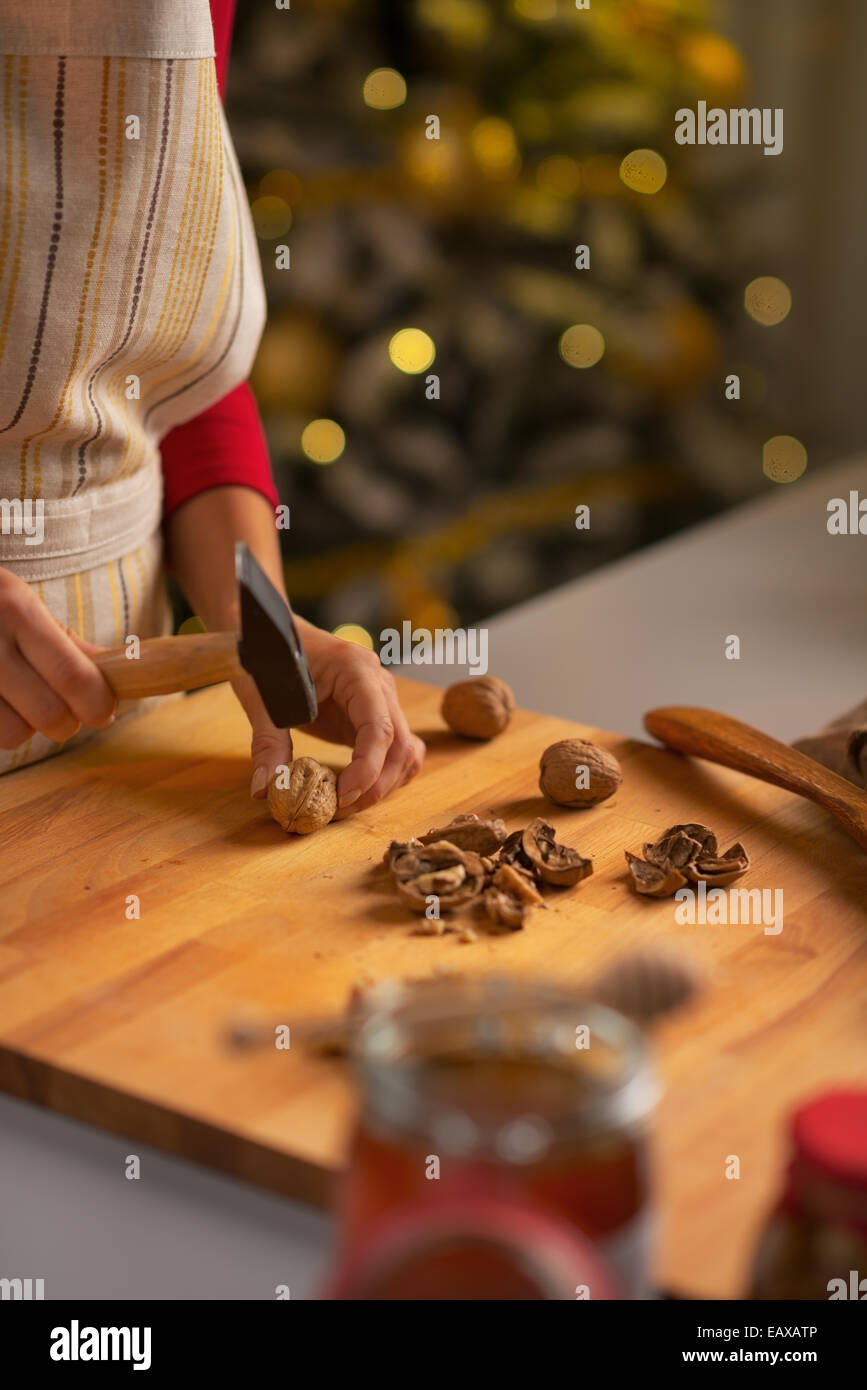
x=131, y=295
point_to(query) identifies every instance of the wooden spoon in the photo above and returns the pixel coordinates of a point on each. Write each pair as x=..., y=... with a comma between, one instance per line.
x=705, y=734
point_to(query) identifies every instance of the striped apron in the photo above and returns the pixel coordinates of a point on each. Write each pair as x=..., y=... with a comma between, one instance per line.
x=131, y=295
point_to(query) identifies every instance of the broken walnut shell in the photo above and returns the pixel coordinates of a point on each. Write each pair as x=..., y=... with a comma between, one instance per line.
x=308, y=799
x=550, y=861
x=518, y=884
x=453, y=875
x=651, y=880
x=505, y=909
x=470, y=832
x=718, y=871
x=558, y=770
x=478, y=708
x=685, y=854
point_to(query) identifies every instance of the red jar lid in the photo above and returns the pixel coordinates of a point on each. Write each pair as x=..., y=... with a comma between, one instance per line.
x=830, y=1135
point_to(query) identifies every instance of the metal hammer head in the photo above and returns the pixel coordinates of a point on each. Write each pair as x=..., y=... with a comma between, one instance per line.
x=269, y=648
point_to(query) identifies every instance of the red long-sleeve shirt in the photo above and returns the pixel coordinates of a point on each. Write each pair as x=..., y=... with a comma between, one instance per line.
x=225, y=444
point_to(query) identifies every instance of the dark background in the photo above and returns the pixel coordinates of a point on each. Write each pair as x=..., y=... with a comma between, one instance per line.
x=447, y=511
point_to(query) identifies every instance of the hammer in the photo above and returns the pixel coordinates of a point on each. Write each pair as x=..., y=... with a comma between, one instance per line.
x=268, y=648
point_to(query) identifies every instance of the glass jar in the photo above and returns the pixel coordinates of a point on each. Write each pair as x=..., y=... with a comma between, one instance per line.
x=814, y=1245
x=488, y=1093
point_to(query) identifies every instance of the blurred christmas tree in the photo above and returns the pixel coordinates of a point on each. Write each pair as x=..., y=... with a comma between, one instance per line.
x=446, y=509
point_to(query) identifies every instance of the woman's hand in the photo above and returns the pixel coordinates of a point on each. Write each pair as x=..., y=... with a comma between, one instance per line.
x=358, y=705
x=47, y=682
x=357, y=699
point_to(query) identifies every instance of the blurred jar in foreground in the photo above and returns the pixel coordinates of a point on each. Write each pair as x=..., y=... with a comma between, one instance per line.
x=815, y=1243
x=501, y=1147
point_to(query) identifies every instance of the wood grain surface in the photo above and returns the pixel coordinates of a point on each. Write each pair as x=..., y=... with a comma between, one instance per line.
x=121, y=1022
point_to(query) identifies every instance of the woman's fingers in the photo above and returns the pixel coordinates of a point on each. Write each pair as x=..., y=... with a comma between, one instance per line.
x=33, y=700
x=359, y=690
x=13, y=729
x=402, y=760
x=270, y=747
x=45, y=677
x=55, y=656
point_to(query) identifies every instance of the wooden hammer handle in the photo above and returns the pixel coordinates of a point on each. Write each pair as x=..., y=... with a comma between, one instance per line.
x=167, y=664
x=705, y=734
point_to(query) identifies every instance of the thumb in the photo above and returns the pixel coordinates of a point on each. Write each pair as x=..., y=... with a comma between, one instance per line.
x=269, y=746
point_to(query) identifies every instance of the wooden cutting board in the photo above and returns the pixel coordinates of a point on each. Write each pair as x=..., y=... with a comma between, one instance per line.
x=121, y=1022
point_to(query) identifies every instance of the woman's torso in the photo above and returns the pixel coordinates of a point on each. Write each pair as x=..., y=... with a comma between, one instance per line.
x=131, y=295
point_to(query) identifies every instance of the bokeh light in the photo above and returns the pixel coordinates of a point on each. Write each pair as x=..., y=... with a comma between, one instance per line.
x=536, y=10
x=784, y=458
x=412, y=350
x=582, y=345
x=560, y=175
x=494, y=146
x=463, y=22
x=644, y=171
x=323, y=441
x=714, y=59
x=354, y=632
x=767, y=300
x=281, y=183
x=272, y=216
x=190, y=626
x=384, y=89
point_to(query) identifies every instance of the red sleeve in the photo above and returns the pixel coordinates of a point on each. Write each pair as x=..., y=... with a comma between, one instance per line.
x=222, y=446
x=225, y=444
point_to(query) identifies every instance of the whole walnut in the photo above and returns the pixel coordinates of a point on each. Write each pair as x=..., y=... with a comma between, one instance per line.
x=478, y=708
x=561, y=773
x=307, y=800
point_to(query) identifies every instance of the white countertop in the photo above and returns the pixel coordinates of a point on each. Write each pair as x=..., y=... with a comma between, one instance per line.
x=649, y=630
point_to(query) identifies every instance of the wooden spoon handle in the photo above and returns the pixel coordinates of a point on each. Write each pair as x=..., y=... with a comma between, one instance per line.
x=705, y=734
x=168, y=664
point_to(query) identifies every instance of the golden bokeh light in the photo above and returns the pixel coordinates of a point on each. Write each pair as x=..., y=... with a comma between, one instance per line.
x=190, y=626
x=560, y=175
x=644, y=171
x=354, y=632
x=323, y=441
x=767, y=300
x=281, y=183
x=784, y=458
x=582, y=345
x=539, y=11
x=272, y=217
x=412, y=350
x=384, y=89
x=464, y=22
x=714, y=59
x=494, y=146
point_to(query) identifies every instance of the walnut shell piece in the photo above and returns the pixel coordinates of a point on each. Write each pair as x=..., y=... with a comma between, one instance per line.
x=470, y=832
x=308, y=798
x=561, y=763
x=453, y=875
x=552, y=862
x=685, y=854
x=719, y=871
x=478, y=708
x=651, y=880
x=505, y=909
